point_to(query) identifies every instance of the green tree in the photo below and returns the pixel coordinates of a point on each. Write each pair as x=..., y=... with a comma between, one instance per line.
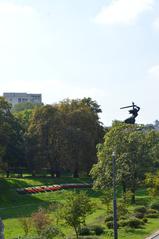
x=77, y=206
x=133, y=150
x=11, y=138
x=152, y=183
x=25, y=106
x=83, y=131
x=44, y=139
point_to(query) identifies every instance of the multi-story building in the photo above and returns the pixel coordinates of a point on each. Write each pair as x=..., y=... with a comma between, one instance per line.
x=15, y=98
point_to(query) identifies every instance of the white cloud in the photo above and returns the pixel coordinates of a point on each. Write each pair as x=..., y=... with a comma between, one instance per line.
x=123, y=11
x=156, y=24
x=9, y=8
x=154, y=72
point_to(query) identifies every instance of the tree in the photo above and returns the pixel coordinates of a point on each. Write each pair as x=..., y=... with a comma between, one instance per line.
x=133, y=150
x=152, y=183
x=83, y=131
x=75, y=210
x=44, y=138
x=11, y=137
x=25, y=106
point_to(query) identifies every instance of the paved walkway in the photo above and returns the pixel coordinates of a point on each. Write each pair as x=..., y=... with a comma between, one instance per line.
x=154, y=236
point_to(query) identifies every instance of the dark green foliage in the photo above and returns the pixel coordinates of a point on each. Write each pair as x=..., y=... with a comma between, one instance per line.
x=110, y=224
x=151, y=211
x=98, y=230
x=109, y=218
x=131, y=222
x=123, y=223
x=152, y=215
x=155, y=205
x=145, y=220
x=139, y=215
x=140, y=209
x=85, y=231
x=135, y=223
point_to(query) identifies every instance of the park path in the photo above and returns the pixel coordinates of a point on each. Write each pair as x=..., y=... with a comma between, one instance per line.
x=154, y=236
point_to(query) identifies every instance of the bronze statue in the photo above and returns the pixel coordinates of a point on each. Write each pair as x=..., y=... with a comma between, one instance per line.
x=134, y=112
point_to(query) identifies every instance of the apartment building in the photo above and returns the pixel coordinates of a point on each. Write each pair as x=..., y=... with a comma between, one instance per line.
x=15, y=98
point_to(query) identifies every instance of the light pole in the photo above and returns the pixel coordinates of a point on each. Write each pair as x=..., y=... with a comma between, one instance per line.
x=114, y=197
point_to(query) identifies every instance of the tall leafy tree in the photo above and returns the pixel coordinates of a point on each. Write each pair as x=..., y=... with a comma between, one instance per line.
x=83, y=131
x=133, y=157
x=45, y=139
x=11, y=138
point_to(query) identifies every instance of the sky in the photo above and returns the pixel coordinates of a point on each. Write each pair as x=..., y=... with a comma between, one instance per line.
x=104, y=49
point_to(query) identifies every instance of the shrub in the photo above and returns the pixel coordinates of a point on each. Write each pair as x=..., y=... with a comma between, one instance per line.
x=40, y=220
x=140, y=209
x=139, y=215
x=50, y=232
x=152, y=215
x=131, y=222
x=98, y=230
x=84, y=231
x=109, y=218
x=110, y=225
x=145, y=220
x=134, y=223
x=155, y=205
x=151, y=211
x=122, y=223
x=122, y=210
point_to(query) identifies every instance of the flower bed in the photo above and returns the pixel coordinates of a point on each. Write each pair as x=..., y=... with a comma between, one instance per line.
x=51, y=188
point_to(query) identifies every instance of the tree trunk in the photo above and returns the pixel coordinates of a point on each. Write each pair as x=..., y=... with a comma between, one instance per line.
x=76, y=231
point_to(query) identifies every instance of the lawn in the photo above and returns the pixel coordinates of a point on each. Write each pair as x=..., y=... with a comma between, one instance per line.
x=14, y=206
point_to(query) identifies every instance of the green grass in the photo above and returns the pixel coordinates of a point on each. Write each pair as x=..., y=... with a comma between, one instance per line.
x=13, y=206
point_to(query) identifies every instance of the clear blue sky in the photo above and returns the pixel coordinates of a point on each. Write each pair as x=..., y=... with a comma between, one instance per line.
x=104, y=49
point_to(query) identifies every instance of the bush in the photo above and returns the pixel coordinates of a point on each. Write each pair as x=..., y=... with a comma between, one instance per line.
x=123, y=223
x=122, y=210
x=50, y=232
x=151, y=211
x=152, y=215
x=131, y=222
x=140, y=209
x=85, y=231
x=109, y=218
x=134, y=223
x=145, y=220
x=139, y=215
x=155, y=205
x=110, y=225
x=98, y=230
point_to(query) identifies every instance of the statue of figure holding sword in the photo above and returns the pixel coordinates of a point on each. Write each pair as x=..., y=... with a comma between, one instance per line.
x=134, y=111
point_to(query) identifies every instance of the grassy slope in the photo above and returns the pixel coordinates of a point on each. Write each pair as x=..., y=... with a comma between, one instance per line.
x=14, y=206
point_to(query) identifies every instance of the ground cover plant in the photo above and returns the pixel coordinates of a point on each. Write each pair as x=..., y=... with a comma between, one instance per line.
x=14, y=208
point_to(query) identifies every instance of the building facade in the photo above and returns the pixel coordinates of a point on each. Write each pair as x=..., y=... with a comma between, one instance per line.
x=15, y=98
